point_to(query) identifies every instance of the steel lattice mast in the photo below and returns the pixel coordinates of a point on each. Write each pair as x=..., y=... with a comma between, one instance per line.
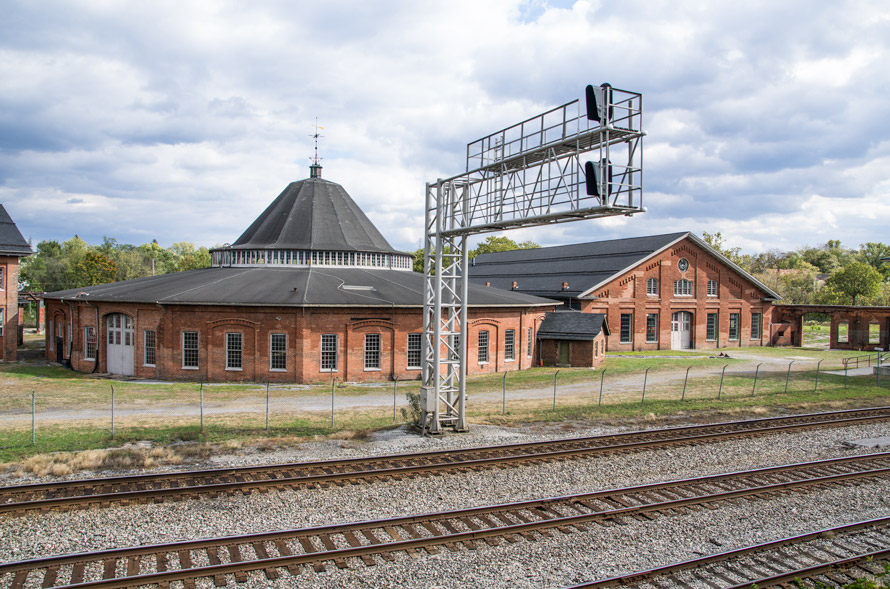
x=528, y=174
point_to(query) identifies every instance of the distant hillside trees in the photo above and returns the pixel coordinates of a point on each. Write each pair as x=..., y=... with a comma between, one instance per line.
x=827, y=274
x=74, y=263
x=492, y=243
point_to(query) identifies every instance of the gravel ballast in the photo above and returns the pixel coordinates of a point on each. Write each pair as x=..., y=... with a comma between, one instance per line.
x=553, y=562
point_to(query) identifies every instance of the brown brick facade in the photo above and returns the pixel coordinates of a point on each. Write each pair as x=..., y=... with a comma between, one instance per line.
x=302, y=329
x=9, y=306
x=736, y=303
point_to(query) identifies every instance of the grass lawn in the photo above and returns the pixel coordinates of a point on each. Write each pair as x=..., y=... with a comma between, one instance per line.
x=577, y=399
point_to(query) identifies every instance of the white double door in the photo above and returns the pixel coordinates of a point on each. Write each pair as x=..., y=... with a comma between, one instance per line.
x=681, y=330
x=121, y=345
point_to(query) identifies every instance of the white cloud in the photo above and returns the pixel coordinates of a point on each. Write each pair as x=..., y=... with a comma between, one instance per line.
x=182, y=121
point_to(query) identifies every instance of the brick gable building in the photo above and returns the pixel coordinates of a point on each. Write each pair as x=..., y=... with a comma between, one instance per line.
x=12, y=247
x=659, y=292
x=311, y=291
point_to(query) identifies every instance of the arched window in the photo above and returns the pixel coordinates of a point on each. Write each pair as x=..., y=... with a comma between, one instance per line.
x=652, y=287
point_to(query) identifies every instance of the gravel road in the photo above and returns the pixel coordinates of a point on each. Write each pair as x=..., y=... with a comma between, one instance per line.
x=555, y=562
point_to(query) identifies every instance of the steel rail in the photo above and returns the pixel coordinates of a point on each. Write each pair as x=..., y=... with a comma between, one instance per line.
x=202, y=482
x=600, y=506
x=628, y=580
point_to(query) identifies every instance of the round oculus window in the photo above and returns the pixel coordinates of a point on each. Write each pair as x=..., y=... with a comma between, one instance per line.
x=683, y=264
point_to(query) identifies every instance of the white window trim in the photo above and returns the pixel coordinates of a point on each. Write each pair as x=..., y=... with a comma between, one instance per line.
x=652, y=294
x=408, y=365
x=716, y=289
x=86, y=341
x=182, y=343
x=234, y=368
x=379, y=353
x=487, y=347
x=145, y=346
x=270, y=353
x=321, y=354
x=513, y=357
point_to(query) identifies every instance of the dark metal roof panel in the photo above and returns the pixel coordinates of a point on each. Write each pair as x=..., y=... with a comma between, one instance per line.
x=286, y=287
x=543, y=270
x=572, y=325
x=314, y=214
x=11, y=240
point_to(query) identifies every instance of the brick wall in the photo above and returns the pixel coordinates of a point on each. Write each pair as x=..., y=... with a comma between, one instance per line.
x=303, y=330
x=9, y=302
x=627, y=294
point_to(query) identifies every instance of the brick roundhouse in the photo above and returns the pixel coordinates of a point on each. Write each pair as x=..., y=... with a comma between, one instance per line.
x=310, y=291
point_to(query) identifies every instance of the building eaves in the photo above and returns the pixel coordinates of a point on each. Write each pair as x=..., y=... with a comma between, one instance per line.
x=12, y=243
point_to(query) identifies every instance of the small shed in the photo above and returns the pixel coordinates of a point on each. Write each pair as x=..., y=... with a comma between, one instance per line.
x=573, y=338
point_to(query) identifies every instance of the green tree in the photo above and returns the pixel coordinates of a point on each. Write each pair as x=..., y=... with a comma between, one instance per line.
x=94, y=268
x=500, y=243
x=872, y=254
x=734, y=254
x=856, y=283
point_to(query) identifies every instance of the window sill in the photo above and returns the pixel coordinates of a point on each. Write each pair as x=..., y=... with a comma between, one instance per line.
x=234, y=369
x=484, y=363
x=328, y=370
x=190, y=368
x=372, y=370
x=413, y=368
x=148, y=365
x=278, y=370
x=509, y=359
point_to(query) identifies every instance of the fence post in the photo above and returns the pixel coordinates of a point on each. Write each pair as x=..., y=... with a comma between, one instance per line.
x=554, y=389
x=202, y=407
x=602, y=376
x=504, y=396
x=683, y=397
x=756, y=372
x=788, y=376
x=816, y=388
x=112, y=412
x=846, y=365
x=645, y=378
x=333, y=382
x=33, y=418
x=722, y=374
x=267, y=405
x=395, y=386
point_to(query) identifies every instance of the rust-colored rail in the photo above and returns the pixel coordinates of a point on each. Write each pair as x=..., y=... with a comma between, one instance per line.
x=158, y=487
x=829, y=557
x=369, y=542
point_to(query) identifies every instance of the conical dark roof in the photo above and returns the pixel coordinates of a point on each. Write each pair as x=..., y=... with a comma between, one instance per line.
x=314, y=214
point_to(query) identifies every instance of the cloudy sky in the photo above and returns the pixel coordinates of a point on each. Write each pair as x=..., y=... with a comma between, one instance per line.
x=181, y=120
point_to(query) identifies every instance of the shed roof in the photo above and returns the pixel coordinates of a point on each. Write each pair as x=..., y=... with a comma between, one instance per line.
x=11, y=241
x=290, y=287
x=572, y=325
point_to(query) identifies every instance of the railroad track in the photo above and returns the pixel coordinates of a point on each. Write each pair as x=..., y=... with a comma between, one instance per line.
x=833, y=557
x=103, y=492
x=367, y=543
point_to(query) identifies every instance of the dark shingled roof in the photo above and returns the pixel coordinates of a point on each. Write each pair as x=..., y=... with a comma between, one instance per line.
x=585, y=266
x=11, y=241
x=572, y=325
x=314, y=214
x=293, y=287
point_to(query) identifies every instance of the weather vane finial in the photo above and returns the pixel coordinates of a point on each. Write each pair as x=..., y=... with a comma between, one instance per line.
x=315, y=168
